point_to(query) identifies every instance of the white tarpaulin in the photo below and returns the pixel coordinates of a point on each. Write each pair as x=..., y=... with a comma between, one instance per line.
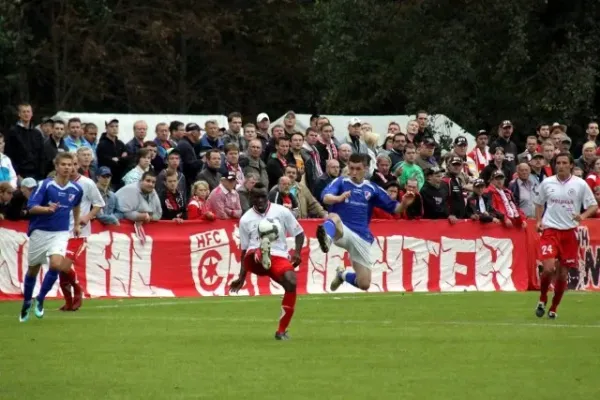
x=126, y=121
x=440, y=123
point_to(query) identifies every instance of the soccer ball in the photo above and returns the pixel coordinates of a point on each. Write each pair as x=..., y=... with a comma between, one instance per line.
x=269, y=229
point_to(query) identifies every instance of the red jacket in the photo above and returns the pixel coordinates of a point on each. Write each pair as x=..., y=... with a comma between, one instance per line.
x=197, y=209
x=499, y=205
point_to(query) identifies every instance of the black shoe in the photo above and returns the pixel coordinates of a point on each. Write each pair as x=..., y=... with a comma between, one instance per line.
x=324, y=239
x=540, y=310
x=282, y=336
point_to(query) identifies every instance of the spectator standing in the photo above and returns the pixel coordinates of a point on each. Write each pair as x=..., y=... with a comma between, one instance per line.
x=354, y=137
x=90, y=135
x=408, y=169
x=54, y=144
x=249, y=134
x=399, y=143
x=412, y=129
x=197, y=208
x=232, y=163
x=280, y=194
x=172, y=200
x=140, y=130
x=224, y=201
x=262, y=128
x=111, y=152
x=326, y=145
x=289, y=123
x=308, y=206
x=455, y=199
x=7, y=172
x=173, y=164
x=524, y=188
x=479, y=205
x=74, y=138
x=499, y=163
x=25, y=146
x=85, y=158
x=17, y=208
x=276, y=132
x=530, y=150
x=481, y=153
x=253, y=162
x=415, y=210
x=211, y=140
x=157, y=163
x=6, y=195
x=138, y=201
x=434, y=194
x=312, y=166
x=185, y=146
x=504, y=140
x=234, y=133
x=144, y=157
x=591, y=132
x=332, y=172
x=299, y=159
x=345, y=151
x=210, y=173
x=588, y=157
x=504, y=202
x=381, y=176
x=250, y=180
x=163, y=143
x=279, y=160
x=177, y=130
x=536, y=165
x=108, y=214
x=426, y=159
x=393, y=190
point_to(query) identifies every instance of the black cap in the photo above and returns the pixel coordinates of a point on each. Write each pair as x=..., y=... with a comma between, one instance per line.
x=478, y=182
x=460, y=141
x=433, y=171
x=506, y=123
x=231, y=176
x=481, y=132
x=192, y=126
x=537, y=155
x=455, y=160
x=47, y=120
x=498, y=173
x=429, y=141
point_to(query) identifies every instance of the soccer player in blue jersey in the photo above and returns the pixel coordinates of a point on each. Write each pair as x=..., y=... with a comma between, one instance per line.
x=50, y=207
x=351, y=200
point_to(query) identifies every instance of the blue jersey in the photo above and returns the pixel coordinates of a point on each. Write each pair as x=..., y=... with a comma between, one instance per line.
x=67, y=197
x=355, y=212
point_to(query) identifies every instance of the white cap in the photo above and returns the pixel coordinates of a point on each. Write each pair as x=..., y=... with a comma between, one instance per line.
x=353, y=121
x=262, y=116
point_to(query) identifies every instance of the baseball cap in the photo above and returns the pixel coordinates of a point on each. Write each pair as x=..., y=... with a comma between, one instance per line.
x=29, y=183
x=354, y=121
x=537, y=155
x=429, y=141
x=192, y=126
x=556, y=125
x=433, y=170
x=478, y=182
x=455, y=160
x=47, y=120
x=231, y=176
x=498, y=173
x=104, y=171
x=460, y=141
x=290, y=114
x=481, y=132
x=262, y=116
x=506, y=123
x=111, y=121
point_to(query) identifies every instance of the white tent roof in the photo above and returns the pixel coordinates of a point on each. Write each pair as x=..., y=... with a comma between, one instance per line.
x=440, y=123
x=126, y=121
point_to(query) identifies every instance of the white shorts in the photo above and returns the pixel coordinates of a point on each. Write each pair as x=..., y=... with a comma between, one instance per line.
x=358, y=248
x=43, y=244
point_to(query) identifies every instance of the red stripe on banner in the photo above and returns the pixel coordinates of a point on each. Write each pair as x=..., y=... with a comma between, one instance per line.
x=201, y=259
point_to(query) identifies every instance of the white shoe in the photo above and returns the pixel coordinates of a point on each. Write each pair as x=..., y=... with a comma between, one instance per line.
x=265, y=253
x=338, y=280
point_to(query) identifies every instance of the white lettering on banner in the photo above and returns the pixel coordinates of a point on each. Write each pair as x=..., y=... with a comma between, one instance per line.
x=422, y=249
x=449, y=266
x=493, y=264
x=118, y=264
x=210, y=257
x=393, y=267
x=13, y=260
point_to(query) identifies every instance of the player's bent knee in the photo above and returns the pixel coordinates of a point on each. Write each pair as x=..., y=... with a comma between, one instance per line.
x=289, y=281
x=363, y=284
x=33, y=270
x=549, y=266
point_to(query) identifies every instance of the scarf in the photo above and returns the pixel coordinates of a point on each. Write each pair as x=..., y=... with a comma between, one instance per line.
x=314, y=154
x=174, y=201
x=331, y=149
x=511, y=209
x=282, y=160
x=382, y=176
x=481, y=160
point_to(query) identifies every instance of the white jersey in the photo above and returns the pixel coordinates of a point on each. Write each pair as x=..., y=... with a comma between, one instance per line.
x=249, y=238
x=91, y=197
x=563, y=200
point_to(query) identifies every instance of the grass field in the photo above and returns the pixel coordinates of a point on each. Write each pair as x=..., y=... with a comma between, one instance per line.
x=370, y=346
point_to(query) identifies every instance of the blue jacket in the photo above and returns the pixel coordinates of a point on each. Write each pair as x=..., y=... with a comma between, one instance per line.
x=109, y=214
x=205, y=145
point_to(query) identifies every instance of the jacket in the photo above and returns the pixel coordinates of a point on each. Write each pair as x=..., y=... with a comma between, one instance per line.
x=510, y=151
x=276, y=197
x=276, y=168
x=131, y=201
x=191, y=165
x=358, y=146
x=197, y=210
x=435, y=201
x=25, y=148
x=17, y=207
x=108, y=215
x=210, y=176
x=308, y=206
x=160, y=183
x=51, y=149
x=257, y=166
x=230, y=137
x=7, y=172
x=474, y=209
x=106, y=151
x=500, y=207
x=455, y=199
x=205, y=144
x=173, y=205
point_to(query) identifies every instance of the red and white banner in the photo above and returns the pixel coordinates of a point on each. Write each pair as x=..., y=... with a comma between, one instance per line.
x=199, y=258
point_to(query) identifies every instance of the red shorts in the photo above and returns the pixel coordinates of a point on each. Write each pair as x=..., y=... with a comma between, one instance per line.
x=562, y=245
x=279, y=266
x=74, y=248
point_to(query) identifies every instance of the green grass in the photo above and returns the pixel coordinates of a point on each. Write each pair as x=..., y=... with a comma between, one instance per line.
x=370, y=346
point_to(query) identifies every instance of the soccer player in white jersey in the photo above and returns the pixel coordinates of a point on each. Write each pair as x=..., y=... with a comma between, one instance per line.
x=50, y=208
x=564, y=196
x=351, y=201
x=263, y=257
x=91, y=203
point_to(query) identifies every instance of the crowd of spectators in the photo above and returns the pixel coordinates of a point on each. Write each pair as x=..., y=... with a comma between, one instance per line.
x=189, y=172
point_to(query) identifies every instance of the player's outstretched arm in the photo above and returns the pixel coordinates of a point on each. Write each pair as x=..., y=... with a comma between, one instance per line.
x=330, y=199
x=237, y=284
x=591, y=210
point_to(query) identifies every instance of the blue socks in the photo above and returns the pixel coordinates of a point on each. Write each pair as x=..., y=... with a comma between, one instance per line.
x=49, y=280
x=350, y=277
x=329, y=227
x=28, y=287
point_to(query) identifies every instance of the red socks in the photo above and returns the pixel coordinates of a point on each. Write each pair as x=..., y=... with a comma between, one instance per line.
x=287, y=311
x=559, y=289
x=68, y=281
x=545, y=280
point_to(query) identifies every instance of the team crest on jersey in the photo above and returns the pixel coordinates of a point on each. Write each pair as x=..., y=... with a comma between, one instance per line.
x=571, y=192
x=367, y=195
x=71, y=197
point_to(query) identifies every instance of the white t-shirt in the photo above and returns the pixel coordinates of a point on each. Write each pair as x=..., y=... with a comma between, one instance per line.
x=91, y=197
x=249, y=238
x=563, y=200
